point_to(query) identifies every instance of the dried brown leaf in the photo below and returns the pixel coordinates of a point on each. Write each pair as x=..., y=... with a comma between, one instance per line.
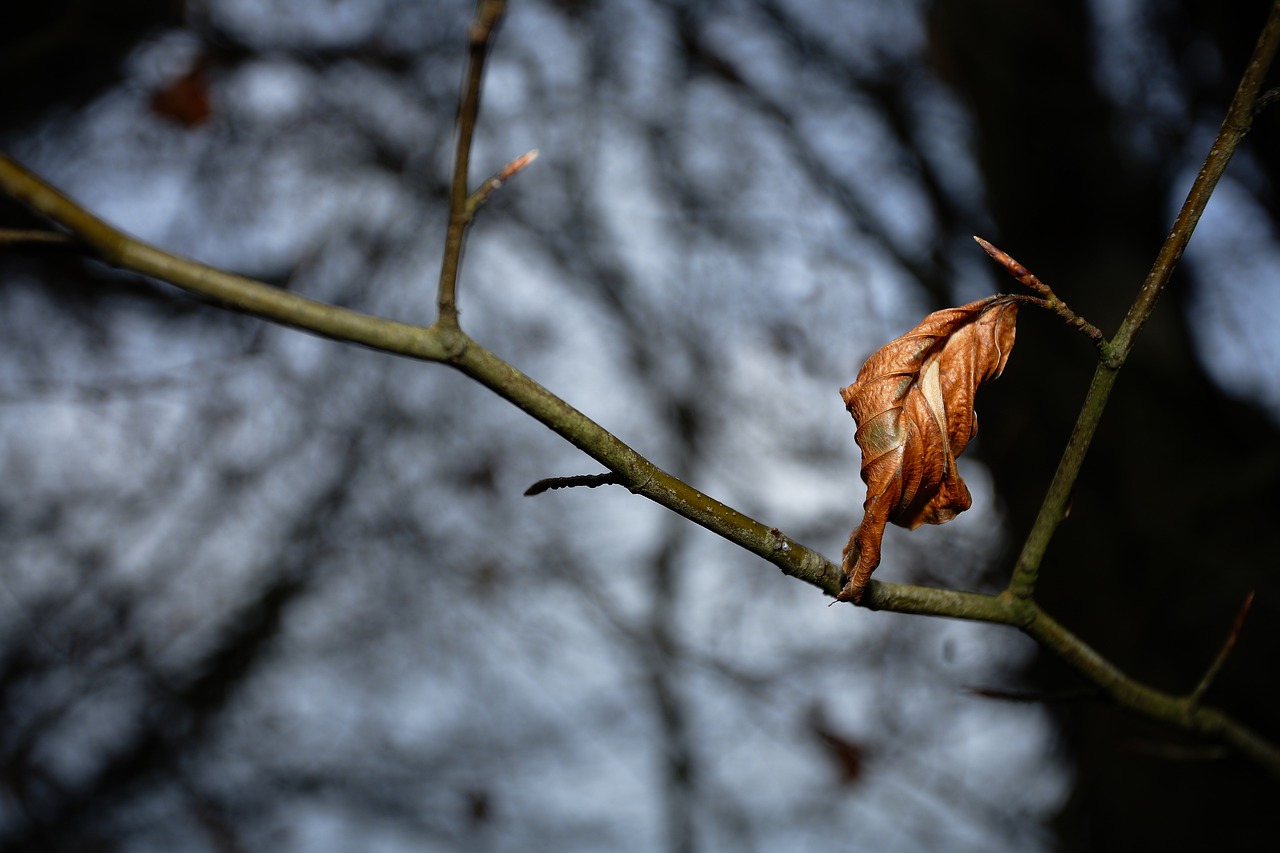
x=913, y=406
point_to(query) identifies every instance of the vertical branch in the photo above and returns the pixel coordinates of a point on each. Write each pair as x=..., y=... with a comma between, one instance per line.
x=677, y=754
x=1113, y=355
x=488, y=13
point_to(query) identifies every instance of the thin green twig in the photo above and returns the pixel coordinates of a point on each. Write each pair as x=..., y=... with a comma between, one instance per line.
x=1113, y=354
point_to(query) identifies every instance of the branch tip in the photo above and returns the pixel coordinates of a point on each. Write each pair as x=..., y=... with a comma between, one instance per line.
x=509, y=171
x=506, y=173
x=1017, y=270
x=1048, y=299
x=1223, y=653
x=589, y=481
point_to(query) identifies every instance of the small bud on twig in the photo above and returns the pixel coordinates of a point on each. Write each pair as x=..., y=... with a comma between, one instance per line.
x=489, y=187
x=1050, y=300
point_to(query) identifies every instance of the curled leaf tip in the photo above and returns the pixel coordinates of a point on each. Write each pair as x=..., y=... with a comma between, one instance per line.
x=912, y=403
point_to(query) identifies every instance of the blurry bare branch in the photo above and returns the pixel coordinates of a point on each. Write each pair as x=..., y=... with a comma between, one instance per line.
x=488, y=14
x=16, y=237
x=1225, y=652
x=446, y=343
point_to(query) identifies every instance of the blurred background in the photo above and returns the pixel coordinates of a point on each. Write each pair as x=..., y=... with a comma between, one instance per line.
x=264, y=591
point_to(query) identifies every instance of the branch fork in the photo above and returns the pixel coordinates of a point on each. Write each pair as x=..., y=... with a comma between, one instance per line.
x=1047, y=298
x=445, y=343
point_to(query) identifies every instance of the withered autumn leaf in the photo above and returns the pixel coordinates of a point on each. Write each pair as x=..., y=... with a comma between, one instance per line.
x=913, y=406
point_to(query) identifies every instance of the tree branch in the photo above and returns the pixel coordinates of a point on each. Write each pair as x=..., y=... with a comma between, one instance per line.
x=488, y=14
x=1182, y=712
x=28, y=236
x=1113, y=354
x=1223, y=653
x=452, y=347
x=584, y=481
x=234, y=291
x=1048, y=299
x=447, y=344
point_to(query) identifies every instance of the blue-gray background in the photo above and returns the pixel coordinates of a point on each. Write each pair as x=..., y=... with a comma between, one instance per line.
x=263, y=591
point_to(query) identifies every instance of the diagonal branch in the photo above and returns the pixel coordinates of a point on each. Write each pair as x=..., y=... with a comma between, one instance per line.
x=586, y=481
x=439, y=343
x=454, y=348
x=1223, y=653
x=1112, y=355
x=1234, y=127
x=447, y=344
x=234, y=291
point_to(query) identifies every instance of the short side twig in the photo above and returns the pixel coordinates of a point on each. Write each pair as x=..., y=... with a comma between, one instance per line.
x=1048, y=299
x=506, y=173
x=589, y=481
x=1223, y=653
x=1265, y=100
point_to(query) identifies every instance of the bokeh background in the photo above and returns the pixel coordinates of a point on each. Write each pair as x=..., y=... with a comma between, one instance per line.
x=263, y=591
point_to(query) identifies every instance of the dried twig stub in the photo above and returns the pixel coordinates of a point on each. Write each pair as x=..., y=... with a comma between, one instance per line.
x=589, y=481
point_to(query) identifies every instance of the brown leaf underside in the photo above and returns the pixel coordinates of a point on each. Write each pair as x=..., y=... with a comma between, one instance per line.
x=913, y=406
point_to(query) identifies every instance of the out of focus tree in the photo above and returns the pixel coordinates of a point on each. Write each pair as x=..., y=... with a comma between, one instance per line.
x=264, y=590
